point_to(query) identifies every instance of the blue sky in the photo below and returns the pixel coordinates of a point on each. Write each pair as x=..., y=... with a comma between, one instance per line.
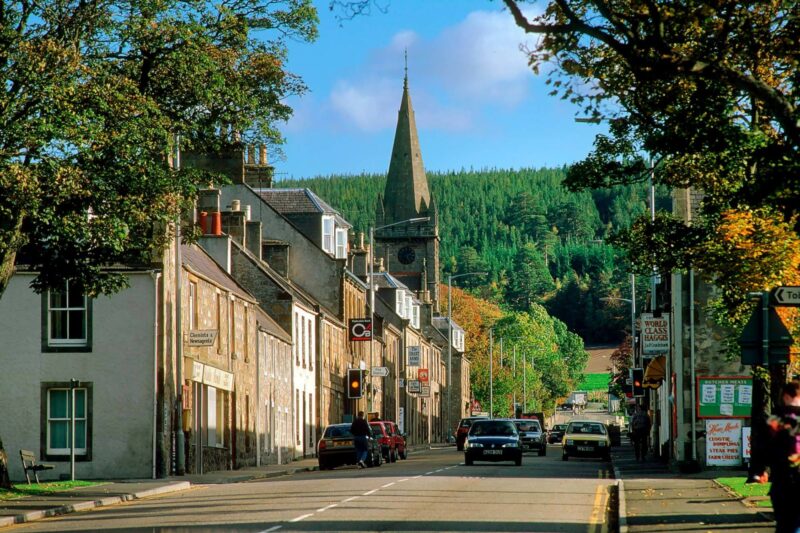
x=477, y=103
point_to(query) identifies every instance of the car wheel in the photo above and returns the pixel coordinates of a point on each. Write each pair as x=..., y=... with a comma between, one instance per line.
x=379, y=460
x=564, y=457
x=403, y=454
x=518, y=460
x=468, y=461
x=394, y=455
x=543, y=451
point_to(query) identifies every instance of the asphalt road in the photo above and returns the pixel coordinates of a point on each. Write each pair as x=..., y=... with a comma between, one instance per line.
x=430, y=491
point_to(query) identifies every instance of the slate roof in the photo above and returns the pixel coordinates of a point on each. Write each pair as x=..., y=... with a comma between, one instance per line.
x=272, y=327
x=197, y=260
x=300, y=201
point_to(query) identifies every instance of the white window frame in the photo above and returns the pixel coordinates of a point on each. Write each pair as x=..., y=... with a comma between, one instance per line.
x=407, y=308
x=341, y=243
x=66, y=310
x=328, y=234
x=415, y=316
x=399, y=302
x=84, y=419
x=192, y=305
x=215, y=417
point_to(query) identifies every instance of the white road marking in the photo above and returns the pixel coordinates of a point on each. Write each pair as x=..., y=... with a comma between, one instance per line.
x=387, y=485
x=370, y=492
x=437, y=471
x=401, y=480
x=351, y=498
x=331, y=506
x=429, y=473
x=270, y=530
x=415, y=477
x=303, y=517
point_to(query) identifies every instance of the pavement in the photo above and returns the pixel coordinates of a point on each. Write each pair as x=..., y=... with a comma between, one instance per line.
x=652, y=497
x=32, y=508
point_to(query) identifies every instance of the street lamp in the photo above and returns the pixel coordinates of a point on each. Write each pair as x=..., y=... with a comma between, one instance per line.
x=372, y=296
x=450, y=279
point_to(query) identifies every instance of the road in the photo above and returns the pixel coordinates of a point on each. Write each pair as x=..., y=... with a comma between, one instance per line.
x=430, y=491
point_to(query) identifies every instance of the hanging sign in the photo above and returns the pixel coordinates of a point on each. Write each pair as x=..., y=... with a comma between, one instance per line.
x=724, y=442
x=422, y=375
x=360, y=329
x=655, y=334
x=202, y=337
x=413, y=356
x=413, y=386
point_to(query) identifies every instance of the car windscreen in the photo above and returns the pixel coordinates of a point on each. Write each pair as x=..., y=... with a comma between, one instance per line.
x=586, y=428
x=337, y=431
x=559, y=427
x=528, y=425
x=490, y=428
x=376, y=430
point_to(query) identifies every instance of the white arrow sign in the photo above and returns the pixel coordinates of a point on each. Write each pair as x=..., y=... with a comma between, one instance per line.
x=379, y=371
x=787, y=296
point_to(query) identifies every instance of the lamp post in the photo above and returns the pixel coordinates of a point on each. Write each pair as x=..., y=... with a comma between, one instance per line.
x=450, y=279
x=372, y=296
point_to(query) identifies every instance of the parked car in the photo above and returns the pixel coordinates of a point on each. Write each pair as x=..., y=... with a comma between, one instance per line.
x=531, y=435
x=587, y=438
x=492, y=440
x=556, y=433
x=385, y=440
x=336, y=448
x=463, y=429
x=399, y=438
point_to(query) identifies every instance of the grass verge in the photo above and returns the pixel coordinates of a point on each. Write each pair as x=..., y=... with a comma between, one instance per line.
x=595, y=382
x=757, y=493
x=38, y=489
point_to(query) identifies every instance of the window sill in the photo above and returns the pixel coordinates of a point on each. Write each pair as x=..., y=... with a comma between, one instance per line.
x=66, y=348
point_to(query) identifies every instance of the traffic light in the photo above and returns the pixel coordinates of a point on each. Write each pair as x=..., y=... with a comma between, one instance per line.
x=637, y=382
x=355, y=383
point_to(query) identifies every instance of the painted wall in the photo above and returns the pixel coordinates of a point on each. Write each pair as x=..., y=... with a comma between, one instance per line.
x=120, y=367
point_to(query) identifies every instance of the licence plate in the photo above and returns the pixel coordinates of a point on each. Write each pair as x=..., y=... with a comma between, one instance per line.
x=492, y=452
x=585, y=449
x=343, y=443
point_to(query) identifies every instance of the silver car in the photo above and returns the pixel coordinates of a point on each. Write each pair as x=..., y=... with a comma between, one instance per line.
x=531, y=435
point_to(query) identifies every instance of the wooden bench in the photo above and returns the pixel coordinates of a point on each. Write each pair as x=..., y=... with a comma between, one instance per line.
x=29, y=465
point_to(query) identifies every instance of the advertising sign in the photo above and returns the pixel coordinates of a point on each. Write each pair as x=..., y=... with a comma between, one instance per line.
x=202, y=337
x=217, y=378
x=413, y=356
x=724, y=396
x=360, y=329
x=413, y=386
x=655, y=334
x=724, y=442
x=422, y=375
x=746, y=443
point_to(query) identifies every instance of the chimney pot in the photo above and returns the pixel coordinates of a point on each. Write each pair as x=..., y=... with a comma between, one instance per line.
x=247, y=212
x=236, y=205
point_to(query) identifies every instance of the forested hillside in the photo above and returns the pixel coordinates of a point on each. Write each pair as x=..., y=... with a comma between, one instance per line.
x=541, y=243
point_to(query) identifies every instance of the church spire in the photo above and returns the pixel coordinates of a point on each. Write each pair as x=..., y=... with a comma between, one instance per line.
x=406, y=194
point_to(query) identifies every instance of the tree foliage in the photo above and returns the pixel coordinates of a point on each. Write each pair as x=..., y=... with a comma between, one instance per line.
x=710, y=92
x=94, y=94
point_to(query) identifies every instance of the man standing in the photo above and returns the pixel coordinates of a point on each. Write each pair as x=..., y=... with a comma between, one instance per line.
x=640, y=428
x=361, y=431
x=783, y=458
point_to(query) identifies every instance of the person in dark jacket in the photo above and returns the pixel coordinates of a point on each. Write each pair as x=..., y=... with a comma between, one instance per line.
x=783, y=459
x=361, y=432
x=640, y=432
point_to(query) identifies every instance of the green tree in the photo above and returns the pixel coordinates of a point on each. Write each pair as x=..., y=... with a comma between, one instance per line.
x=530, y=279
x=94, y=94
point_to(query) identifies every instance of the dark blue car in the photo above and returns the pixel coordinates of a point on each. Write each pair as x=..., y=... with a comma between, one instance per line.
x=493, y=440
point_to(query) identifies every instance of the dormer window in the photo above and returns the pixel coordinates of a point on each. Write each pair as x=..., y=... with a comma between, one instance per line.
x=415, y=316
x=399, y=303
x=341, y=243
x=407, y=309
x=328, y=234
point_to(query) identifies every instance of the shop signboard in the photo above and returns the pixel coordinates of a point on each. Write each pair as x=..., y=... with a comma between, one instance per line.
x=724, y=396
x=724, y=442
x=655, y=333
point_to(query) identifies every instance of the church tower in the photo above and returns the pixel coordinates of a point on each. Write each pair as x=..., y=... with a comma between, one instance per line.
x=410, y=249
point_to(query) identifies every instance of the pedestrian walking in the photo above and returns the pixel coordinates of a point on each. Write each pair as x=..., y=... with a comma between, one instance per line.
x=361, y=432
x=640, y=432
x=782, y=448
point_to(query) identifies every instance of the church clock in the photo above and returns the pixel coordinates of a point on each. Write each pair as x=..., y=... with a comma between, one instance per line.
x=406, y=255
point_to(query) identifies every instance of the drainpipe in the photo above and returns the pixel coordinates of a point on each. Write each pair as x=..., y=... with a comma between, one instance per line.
x=156, y=279
x=180, y=467
x=258, y=395
x=691, y=362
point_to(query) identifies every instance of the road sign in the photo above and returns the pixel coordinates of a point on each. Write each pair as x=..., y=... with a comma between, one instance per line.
x=413, y=386
x=751, y=341
x=379, y=371
x=360, y=329
x=422, y=375
x=789, y=296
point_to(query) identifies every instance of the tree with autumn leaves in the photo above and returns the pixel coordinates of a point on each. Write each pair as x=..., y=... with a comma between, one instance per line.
x=554, y=356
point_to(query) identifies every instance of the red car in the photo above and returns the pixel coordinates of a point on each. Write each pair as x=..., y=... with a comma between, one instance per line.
x=385, y=440
x=399, y=438
x=463, y=429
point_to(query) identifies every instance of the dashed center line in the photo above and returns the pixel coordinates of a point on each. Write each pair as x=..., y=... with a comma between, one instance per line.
x=373, y=491
x=302, y=517
x=331, y=506
x=387, y=485
x=429, y=473
x=351, y=498
x=270, y=530
x=401, y=480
